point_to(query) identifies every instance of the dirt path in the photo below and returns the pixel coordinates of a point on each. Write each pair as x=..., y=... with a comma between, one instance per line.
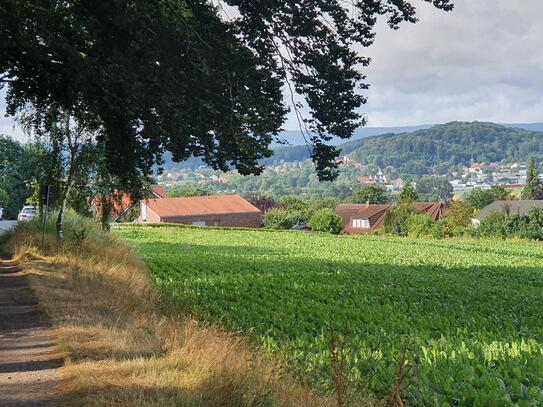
x=29, y=369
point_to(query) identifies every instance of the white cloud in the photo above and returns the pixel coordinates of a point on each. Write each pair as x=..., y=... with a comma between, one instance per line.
x=482, y=61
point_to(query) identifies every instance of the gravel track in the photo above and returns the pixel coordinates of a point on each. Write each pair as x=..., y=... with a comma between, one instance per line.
x=29, y=368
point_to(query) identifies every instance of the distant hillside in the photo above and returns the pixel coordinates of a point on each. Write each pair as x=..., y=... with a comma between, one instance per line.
x=422, y=146
x=446, y=146
x=295, y=138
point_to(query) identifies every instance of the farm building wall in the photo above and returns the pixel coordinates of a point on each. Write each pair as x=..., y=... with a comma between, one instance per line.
x=148, y=215
x=247, y=220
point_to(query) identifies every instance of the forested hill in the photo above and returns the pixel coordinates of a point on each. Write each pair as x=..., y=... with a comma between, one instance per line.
x=445, y=146
x=440, y=147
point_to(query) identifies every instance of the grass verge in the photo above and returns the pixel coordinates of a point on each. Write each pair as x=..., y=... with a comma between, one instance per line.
x=120, y=350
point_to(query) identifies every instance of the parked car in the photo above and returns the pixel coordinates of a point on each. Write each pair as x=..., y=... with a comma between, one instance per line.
x=1, y=213
x=27, y=213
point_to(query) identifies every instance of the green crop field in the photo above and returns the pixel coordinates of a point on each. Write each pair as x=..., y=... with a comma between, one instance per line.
x=469, y=313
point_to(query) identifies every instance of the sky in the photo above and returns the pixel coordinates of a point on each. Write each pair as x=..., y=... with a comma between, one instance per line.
x=482, y=61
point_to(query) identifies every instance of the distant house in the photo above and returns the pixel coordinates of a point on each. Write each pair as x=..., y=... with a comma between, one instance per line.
x=362, y=219
x=221, y=210
x=364, y=180
x=511, y=207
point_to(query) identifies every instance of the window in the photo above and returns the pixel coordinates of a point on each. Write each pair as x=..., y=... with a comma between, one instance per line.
x=360, y=223
x=199, y=223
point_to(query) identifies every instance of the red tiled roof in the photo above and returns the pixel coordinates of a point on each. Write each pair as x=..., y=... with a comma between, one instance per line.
x=365, y=180
x=200, y=205
x=123, y=201
x=159, y=190
x=434, y=210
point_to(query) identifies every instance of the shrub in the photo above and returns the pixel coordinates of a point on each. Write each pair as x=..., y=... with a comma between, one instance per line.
x=493, y=225
x=396, y=219
x=292, y=203
x=445, y=228
x=459, y=214
x=280, y=218
x=504, y=225
x=419, y=225
x=326, y=220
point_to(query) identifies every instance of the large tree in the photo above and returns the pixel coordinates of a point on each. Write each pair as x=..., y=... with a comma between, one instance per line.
x=194, y=77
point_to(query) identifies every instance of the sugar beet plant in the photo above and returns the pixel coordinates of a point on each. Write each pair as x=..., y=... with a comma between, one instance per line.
x=468, y=310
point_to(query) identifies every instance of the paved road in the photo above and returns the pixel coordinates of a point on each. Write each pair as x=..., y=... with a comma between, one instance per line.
x=28, y=363
x=6, y=225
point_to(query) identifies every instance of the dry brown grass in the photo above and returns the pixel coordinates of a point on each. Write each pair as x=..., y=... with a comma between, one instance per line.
x=120, y=351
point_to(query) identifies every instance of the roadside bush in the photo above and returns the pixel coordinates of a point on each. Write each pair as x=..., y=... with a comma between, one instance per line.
x=326, y=220
x=419, y=225
x=280, y=218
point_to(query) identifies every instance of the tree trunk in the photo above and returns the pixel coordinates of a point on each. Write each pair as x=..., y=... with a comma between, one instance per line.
x=62, y=210
x=66, y=191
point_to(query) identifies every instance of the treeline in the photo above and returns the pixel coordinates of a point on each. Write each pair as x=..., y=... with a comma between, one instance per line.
x=20, y=167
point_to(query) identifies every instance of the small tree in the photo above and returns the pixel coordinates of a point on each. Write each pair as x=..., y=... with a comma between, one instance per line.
x=372, y=194
x=533, y=185
x=326, y=220
x=419, y=225
x=70, y=156
x=292, y=203
x=479, y=198
x=408, y=194
x=395, y=221
x=459, y=214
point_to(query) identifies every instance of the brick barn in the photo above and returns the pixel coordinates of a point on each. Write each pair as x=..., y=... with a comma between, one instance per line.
x=221, y=210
